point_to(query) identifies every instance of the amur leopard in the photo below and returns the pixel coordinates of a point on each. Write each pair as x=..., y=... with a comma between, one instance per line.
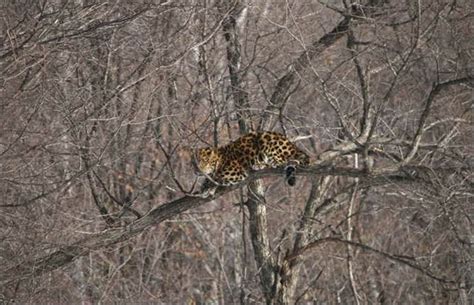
x=230, y=164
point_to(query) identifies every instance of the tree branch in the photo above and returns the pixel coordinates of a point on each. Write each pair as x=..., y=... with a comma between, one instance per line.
x=67, y=254
x=301, y=63
x=437, y=88
x=396, y=258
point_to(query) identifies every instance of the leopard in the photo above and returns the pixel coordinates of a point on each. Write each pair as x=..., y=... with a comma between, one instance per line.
x=232, y=163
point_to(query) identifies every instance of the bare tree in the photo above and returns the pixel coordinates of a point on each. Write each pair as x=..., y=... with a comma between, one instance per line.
x=102, y=101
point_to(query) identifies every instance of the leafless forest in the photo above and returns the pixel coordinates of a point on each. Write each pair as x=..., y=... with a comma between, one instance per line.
x=102, y=102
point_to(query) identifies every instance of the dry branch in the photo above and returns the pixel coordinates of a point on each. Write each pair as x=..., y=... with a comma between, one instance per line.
x=284, y=84
x=396, y=258
x=67, y=254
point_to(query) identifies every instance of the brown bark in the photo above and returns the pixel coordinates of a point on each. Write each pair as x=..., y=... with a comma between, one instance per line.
x=65, y=255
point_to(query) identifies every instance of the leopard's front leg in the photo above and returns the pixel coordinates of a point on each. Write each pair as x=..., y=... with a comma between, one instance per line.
x=229, y=174
x=232, y=173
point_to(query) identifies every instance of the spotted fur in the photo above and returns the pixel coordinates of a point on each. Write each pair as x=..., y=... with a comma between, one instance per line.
x=230, y=164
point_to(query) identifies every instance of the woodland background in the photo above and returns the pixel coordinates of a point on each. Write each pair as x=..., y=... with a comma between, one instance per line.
x=100, y=102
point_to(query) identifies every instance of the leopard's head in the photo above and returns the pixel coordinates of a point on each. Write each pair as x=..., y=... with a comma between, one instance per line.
x=206, y=160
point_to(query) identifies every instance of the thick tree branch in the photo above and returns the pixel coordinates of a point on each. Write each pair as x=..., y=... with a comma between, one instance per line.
x=67, y=254
x=267, y=263
x=255, y=202
x=234, y=60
